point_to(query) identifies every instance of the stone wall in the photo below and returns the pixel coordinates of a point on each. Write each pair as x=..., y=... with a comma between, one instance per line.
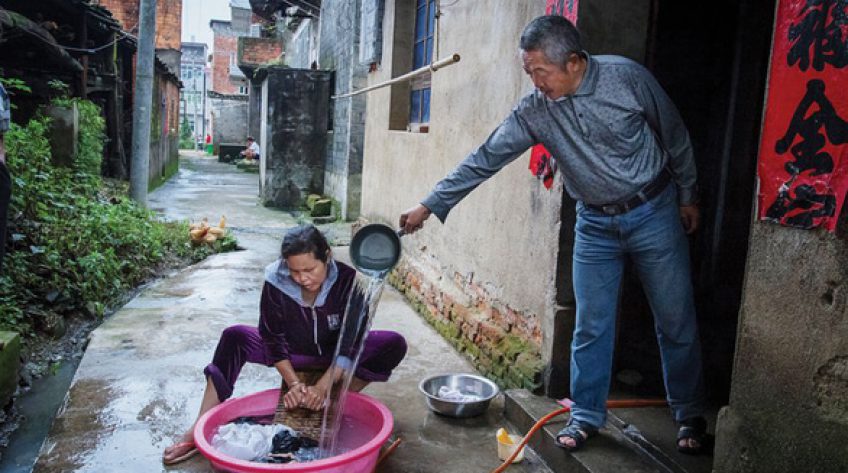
x=486, y=278
x=339, y=51
x=788, y=407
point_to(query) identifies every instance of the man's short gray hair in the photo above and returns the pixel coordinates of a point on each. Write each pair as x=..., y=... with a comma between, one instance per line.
x=553, y=35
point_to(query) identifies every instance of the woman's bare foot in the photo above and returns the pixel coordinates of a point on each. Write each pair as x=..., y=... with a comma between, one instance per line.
x=180, y=451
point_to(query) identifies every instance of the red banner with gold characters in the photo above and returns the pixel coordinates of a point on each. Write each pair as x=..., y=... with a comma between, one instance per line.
x=542, y=164
x=803, y=161
x=566, y=8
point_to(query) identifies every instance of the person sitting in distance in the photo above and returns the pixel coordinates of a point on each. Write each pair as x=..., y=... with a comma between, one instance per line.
x=252, y=151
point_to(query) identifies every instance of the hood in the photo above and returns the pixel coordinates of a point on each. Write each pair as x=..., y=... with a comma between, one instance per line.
x=277, y=274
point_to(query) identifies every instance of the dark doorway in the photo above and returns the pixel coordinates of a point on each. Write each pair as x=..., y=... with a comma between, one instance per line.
x=712, y=59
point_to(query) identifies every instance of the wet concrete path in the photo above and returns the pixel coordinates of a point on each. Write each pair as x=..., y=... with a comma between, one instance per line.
x=138, y=387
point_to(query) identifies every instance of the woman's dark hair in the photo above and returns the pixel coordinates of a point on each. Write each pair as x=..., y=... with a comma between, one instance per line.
x=305, y=239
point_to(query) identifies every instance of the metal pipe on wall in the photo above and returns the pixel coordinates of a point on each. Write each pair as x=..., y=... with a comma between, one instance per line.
x=433, y=67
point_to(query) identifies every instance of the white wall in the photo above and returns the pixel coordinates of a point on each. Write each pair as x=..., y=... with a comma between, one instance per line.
x=506, y=231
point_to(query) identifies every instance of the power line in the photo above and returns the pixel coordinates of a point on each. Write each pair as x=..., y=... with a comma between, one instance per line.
x=70, y=48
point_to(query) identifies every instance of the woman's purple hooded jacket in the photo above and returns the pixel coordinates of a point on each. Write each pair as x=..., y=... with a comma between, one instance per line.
x=289, y=325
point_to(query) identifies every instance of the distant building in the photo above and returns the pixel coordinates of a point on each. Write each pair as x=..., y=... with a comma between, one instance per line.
x=227, y=78
x=196, y=80
x=164, y=138
x=227, y=93
x=168, y=25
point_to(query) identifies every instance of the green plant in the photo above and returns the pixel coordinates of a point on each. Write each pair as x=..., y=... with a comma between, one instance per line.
x=74, y=245
x=13, y=86
x=61, y=88
x=92, y=135
x=186, y=141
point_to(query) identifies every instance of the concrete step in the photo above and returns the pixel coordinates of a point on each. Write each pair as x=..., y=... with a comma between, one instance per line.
x=629, y=442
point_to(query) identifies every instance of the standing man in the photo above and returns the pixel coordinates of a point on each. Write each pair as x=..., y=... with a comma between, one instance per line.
x=627, y=160
x=5, y=180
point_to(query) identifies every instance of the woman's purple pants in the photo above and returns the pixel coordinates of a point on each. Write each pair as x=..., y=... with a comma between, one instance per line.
x=240, y=344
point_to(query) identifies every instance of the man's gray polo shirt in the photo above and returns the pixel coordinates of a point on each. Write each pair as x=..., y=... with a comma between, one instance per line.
x=610, y=139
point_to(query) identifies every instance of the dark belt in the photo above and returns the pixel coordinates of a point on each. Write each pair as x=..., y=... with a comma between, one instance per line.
x=647, y=193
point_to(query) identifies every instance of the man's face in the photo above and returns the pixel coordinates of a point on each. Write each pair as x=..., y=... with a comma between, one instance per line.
x=553, y=80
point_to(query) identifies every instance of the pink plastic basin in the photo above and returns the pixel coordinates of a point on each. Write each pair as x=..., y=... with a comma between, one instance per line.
x=369, y=425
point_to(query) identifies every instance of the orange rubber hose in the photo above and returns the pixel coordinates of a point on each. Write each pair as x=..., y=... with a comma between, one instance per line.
x=388, y=452
x=611, y=404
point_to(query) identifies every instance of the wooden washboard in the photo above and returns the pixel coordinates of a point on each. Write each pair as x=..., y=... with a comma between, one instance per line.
x=305, y=421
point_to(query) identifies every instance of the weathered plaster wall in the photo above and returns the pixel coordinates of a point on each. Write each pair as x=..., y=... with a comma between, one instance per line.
x=615, y=27
x=339, y=51
x=294, y=121
x=298, y=52
x=254, y=110
x=788, y=407
x=486, y=277
x=229, y=120
x=164, y=131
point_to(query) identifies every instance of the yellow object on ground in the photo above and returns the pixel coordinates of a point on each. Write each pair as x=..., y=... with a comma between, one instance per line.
x=503, y=436
x=507, y=446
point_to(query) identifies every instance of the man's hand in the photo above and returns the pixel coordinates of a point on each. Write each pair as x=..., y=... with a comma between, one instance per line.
x=413, y=219
x=2, y=150
x=690, y=217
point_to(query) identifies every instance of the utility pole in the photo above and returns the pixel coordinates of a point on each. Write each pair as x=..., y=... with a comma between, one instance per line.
x=143, y=102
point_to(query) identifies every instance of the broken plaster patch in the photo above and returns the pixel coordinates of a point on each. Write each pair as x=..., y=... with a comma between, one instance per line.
x=831, y=384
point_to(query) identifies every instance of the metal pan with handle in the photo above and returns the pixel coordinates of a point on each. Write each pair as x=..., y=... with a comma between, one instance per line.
x=375, y=249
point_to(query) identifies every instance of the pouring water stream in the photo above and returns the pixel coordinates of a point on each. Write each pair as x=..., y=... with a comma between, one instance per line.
x=375, y=250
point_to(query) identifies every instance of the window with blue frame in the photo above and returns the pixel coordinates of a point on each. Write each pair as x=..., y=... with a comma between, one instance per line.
x=419, y=103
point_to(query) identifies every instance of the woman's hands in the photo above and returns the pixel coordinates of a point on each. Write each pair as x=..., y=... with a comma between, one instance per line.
x=314, y=397
x=309, y=397
x=294, y=397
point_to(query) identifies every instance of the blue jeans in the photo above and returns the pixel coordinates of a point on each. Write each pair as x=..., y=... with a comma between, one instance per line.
x=653, y=237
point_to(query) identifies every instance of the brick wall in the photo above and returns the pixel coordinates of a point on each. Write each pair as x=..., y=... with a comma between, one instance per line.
x=258, y=50
x=503, y=343
x=125, y=11
x=223, y=48
x=168, y=19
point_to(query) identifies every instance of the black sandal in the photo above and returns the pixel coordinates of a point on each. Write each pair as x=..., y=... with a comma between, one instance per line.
x=577, y=431
x=694, y=429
